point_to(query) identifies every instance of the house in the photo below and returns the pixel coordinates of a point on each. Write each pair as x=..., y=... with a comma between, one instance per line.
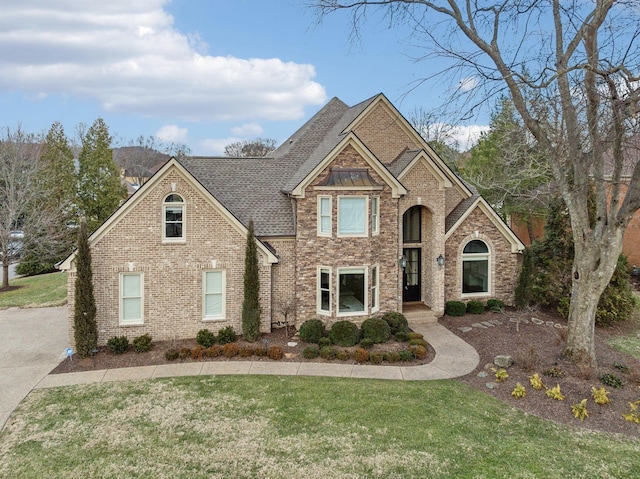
x=354, y=215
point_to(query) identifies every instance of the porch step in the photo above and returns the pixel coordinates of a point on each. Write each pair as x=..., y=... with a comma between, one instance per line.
x=421, y=317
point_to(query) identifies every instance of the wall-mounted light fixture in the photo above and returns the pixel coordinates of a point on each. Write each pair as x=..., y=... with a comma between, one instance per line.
x=440, y=261
x=402, y=261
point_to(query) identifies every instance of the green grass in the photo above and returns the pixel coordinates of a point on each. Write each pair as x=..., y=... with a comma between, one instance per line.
x=291, y=427
x=629, y=343
x=42, y=290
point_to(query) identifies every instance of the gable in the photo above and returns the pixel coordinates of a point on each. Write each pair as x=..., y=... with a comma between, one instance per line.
x=423, y=165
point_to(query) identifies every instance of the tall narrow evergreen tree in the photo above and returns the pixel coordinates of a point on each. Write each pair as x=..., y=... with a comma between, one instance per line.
x=84, y=311
x=251, y=302
x=99, y=187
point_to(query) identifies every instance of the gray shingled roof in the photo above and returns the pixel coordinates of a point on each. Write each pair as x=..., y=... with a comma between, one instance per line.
x=401, y=162
x=459, y=211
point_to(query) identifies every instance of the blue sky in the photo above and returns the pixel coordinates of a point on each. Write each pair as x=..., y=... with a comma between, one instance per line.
x=199, y=72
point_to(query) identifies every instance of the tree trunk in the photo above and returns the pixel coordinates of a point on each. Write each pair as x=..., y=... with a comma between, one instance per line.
x=530, y=230
x=5, y=275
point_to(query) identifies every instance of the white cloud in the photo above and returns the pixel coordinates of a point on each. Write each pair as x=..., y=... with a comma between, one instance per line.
x=247, y=129
x=467, y=136
x=468, y=83
x=172, y=134
x=214, y=146
x=129, y=57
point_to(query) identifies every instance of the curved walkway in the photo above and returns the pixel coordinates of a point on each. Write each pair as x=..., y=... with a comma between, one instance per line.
x=454, y=358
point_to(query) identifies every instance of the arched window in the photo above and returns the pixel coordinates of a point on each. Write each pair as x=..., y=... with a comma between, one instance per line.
x=173, y=217
x=475, y=268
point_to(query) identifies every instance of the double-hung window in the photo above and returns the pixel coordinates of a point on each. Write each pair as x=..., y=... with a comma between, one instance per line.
x=173, y=211
x=213, y=294
x=375, y=290
x=352, y=216
x=375, y=215
x=324, y=290
x=131, y=298
x=475, y=268
x=324, y=215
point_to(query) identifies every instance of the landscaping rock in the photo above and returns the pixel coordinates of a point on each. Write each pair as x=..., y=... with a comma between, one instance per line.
x=482, y=374
x=465, y=329
x=491, y=385
x=503, y=360
x=497, y=322
x=479, y=325
x=488, y=324
x=537, y=321
x=550, y=323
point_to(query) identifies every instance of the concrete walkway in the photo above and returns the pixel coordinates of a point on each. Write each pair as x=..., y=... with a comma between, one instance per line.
x=454, y=358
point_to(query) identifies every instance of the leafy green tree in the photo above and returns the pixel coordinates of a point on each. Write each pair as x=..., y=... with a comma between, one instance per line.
x=51, y=238
x=100, y=189
x=251, y=302
x=84, y=307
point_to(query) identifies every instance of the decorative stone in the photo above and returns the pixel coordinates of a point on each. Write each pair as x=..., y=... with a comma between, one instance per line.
x=478, y=325
x=557, y=326
x=465, y=329
x=491, y=385
x=525, y=321
x=514, y=320
x=482, y=374
x=292, y=344
x=537, y=321
x=550, y=323
x=495, y=321
x=503, y=361
x=488, y=324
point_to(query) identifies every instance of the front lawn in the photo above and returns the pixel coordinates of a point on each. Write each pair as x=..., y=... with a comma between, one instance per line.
x=35, y=291
x=291, y=427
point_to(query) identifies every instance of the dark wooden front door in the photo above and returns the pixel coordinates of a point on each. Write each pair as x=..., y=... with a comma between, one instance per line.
x=411, y=275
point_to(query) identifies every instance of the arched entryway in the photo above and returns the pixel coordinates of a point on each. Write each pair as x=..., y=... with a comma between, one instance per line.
x=417, y=275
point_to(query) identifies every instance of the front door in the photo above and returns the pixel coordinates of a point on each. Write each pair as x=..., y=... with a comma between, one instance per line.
x=411, y=275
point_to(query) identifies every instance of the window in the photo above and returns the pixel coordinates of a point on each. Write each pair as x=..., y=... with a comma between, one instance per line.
x=352, y=291
x=324, y=291
x=173, y=216
x=475, y=268
x=411, y=225
x=324, y=216
x=131, y=303
x=375, y=297
x=375, y=215
x=352, y=216
x=213, y=302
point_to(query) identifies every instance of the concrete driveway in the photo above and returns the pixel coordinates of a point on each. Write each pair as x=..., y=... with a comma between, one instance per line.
x=32, y=343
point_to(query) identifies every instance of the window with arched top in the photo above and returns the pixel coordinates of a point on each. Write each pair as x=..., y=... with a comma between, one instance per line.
x=173, y=211
x=476, y=279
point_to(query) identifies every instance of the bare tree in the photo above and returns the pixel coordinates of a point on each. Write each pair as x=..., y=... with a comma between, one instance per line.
x=255, y=148
x=141, y=158
x=19, y=190
x=572, y=72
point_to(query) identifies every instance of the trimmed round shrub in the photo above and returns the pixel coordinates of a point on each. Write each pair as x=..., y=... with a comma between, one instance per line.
x=197, y=353
x=311, y=331
x=418, y=342
x=366, y=343
x=142, y=344
x=310, y=352
x=184, y=353
x=324, y=342
x=205, y=338
x=405, y=355
x=475, y=307
x=419, y=352
x=455, y=308
x=328, y=352
x=361, y=355
x=118, y=345
x=344, y=333
x=343, y=354
x=413, y=335
x=213, y=351
x=376, y=329
x=230, y=350
x=375, y=357
x=260, y=351
x=495, y=305
x=171, y=354
x=401, y=336
x=247, y=351
x=396, y=321
x=227, y=335
x=275, y=352
x=391, y=356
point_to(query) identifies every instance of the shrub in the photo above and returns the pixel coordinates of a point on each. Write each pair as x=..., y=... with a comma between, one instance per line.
x=343, y=354
x=519, y=391
x=600, y=396
x=391, y=356
x=501, y=374
x=227, y=335
x=375, y=357
x=376, y=329
x=611, y=380
x=310, y=352
x=205, y=338
x=555, y=393
x=260, y=351
x=475, y=307
x=634, y=414
x=366, y=343
x=118, y=345
x=142, y=344
x=405, y=355
x=495, y=305
x=184, y=353
x=397, y=322
x=275, y=352
x=419, y=352
x=171, y=354
x=344, y=333
x=418, y=342
x=328, y=352
x=413, y=335
x=554, y=372
x=247, y=351
x=311, y=331
x=536, y=381
x=361, y=355
x=580, y=410
x=197, y=353
x=213, y=351
x=401, y=336
x=455, y=308
x=230, y=350
x=324, y=342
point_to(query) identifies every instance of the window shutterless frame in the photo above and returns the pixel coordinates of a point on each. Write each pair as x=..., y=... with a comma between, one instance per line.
x=353, y=217
x=324, y=291
x=131, y=299
x=213, y=294
x=173, y=219
x=324, y=216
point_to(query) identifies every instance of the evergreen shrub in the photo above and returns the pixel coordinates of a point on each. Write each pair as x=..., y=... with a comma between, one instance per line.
x=311, y=331
x=405, y=355
x=376, y=329
x=275, y=352
x=230, y=350
x=375, y=357
x=344, y=333
x=401, y=336
x=328, y=352
x=495, y=305
x=366, y=343
x=343, y=354
x=397, y=322
x=142, y=344
x=361, y=355
x=205, y=338
x=475, y=307
x=118, y=345
x=227, y=335
x=310, y=352
x=455, y=308
x=323, y=342
x=171, y=354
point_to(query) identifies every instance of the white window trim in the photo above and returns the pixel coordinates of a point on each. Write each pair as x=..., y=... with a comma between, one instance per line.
x=375, y=213
x=320, y=232
x=366, y=218
x=375, y=289
x=165, y=205
x=319, y=309
x=217, y=317
x=353, y=269
x=476, y=257
x=121, y=298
